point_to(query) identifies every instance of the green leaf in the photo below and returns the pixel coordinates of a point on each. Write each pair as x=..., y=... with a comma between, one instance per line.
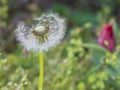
x=94, y=47
x=111, y=71
x=98, y=52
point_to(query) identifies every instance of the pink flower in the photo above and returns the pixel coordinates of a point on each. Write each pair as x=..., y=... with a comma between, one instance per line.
x=106, y=38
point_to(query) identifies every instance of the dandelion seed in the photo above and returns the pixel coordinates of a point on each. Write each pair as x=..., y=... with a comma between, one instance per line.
x=48, y=32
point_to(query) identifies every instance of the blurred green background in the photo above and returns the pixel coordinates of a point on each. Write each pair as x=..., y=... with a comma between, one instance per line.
x=80, y=63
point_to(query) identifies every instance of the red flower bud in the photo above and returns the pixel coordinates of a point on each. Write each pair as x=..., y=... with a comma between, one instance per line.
x=106, y=38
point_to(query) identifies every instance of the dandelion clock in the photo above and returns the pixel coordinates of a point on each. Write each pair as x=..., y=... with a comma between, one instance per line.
x=47, y=33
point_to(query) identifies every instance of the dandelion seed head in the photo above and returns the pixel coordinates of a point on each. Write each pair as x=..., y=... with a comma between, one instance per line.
x=47, y=33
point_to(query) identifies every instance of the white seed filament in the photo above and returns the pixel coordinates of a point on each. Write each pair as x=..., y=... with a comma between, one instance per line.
x=40, y=29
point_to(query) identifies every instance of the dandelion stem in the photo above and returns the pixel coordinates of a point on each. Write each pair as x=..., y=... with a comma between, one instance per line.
x=41, y=72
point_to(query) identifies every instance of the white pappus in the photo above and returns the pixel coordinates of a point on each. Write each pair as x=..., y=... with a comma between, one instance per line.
x=47, y=33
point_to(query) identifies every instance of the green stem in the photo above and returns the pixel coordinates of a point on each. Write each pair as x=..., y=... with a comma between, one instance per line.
x=41, y=72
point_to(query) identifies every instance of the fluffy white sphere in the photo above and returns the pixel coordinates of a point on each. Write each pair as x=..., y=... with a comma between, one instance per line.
x=56, y=31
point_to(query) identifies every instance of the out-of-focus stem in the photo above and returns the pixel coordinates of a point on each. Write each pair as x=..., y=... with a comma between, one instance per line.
x=41, y=72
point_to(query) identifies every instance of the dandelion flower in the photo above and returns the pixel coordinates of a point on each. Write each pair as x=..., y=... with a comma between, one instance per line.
x=47, y=33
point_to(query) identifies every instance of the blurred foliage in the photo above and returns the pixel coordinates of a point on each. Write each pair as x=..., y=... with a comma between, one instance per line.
x=3, y=13
x=78, y=63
